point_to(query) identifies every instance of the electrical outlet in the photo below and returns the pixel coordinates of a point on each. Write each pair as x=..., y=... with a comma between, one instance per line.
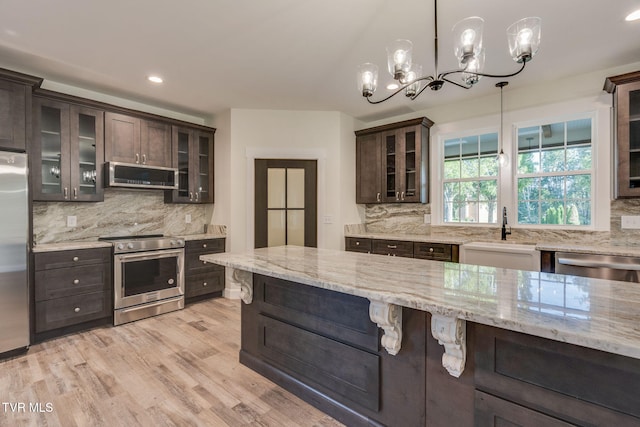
x=427, y=218
x=187, y=218
x=328, y=219
x=630, y=222
x=72, y=221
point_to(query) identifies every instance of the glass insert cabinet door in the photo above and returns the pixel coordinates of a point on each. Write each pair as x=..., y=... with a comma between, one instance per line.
x=193, y=156
x=69, y=151
x=402, y=165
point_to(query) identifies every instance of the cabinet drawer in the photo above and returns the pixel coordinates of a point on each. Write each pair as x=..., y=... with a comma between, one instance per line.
x=354, y=244
x=210, y=246
x=558, y=378
x=392, y=247
x=194, y=265
x=434, y=251
x=202, y=284
x=492, y=411
x=72, y=258
x=61, y=312
x=63, y=282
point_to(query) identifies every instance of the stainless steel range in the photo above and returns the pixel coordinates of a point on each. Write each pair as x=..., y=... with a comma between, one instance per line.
x=148, y=276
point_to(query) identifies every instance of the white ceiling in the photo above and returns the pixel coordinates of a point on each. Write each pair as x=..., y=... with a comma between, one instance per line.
x=293, y=54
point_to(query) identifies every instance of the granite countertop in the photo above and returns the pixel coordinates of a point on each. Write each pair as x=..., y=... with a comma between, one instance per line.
x=593, y=313
x=541, y=246
x=90, y=244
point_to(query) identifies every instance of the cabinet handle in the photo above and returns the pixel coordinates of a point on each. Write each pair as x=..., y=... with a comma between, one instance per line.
x=430, y=249
x=357, y=243
x=392, y=246
x=378, y=197
x=137, y=158
x=204, y=245
x=397, y=195
x=204, y=284
x=144, y=159
x=402, y=196
x=66, y=193
x=75, y=258
x=204, y=262
x=76, y=281
x=76, y=310
x=190, y=196
x=197, y=195
x=75, y=193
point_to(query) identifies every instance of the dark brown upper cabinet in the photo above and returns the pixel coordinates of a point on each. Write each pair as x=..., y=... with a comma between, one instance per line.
x=392, y=163
x=137, y=141
x=68, y=152
x=626, y=94
x=193, y=156
x=15, y=109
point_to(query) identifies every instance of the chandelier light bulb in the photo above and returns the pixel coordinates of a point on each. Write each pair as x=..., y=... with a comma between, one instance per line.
x=367, y=79
x=524, y=39
x=399, y=58
x=468, y=36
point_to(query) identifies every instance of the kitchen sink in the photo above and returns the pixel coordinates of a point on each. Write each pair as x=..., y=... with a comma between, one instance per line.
x=519, y=256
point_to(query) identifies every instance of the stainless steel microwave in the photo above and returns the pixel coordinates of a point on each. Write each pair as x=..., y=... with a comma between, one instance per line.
x=140, y=176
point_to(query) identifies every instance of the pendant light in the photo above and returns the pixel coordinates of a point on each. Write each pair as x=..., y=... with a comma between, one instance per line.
x=503, y=159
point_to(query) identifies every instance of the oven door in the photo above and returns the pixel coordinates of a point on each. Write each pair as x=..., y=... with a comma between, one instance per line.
x=144, y=277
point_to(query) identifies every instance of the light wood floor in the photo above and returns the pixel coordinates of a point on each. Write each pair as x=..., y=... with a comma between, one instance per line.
x=177, y=369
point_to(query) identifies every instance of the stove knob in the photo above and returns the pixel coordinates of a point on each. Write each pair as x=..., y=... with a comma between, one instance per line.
x=130, y=245
x=180, y=242
x=120, y=246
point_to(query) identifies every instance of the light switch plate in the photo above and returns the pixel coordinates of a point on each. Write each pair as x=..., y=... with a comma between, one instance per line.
x=72, y=221
x=187, y=218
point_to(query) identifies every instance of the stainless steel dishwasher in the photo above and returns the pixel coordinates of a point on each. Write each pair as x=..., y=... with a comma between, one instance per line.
x=611, y=267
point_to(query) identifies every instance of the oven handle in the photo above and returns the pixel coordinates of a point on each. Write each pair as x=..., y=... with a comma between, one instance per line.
x=148, y=305
x=143, y=256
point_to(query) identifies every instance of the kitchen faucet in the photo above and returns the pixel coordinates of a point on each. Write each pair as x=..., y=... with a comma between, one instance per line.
x=504, y=224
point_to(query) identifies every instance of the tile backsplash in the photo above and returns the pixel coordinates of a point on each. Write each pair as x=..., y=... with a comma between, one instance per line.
x=123, y=212
x=409, y=219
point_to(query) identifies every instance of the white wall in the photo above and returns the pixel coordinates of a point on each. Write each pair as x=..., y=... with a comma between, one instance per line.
x=325, y=136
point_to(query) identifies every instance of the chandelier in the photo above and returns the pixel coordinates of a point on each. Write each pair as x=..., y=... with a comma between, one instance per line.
x=523, y=37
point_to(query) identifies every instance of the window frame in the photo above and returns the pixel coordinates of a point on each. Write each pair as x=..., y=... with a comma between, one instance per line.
x=564, y=118
x=602, y=157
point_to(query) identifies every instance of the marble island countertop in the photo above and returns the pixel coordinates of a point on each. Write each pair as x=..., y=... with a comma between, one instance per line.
x=593, y=313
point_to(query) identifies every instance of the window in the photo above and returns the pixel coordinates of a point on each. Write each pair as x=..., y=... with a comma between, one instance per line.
x=554, y=173
x=470, y=179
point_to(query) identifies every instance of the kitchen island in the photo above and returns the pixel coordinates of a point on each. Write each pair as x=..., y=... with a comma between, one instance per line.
x=378, y=341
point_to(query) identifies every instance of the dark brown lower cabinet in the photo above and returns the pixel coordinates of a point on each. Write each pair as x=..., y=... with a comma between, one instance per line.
x=73, y=290
x=408, y=249
x=322, y=346
x=202, y=279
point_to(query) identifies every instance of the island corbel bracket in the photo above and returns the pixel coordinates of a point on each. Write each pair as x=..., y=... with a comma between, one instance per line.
x=389, y=318
x=452, y=334
x=245, y=280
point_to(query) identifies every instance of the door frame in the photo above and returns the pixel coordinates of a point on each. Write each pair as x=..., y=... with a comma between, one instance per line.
x=317, y=154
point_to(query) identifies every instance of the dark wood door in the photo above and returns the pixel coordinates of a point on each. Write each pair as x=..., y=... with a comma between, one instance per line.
x=285, y=202
x=368, y=169
x=155, y=143
x=13, y=112
x=122, y=138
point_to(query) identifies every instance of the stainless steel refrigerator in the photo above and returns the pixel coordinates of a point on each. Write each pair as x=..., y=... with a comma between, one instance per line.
x=14, y=243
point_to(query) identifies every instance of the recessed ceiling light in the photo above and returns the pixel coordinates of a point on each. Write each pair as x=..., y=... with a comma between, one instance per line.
x=155, y=79
x=392, y=86
x=633, y=16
